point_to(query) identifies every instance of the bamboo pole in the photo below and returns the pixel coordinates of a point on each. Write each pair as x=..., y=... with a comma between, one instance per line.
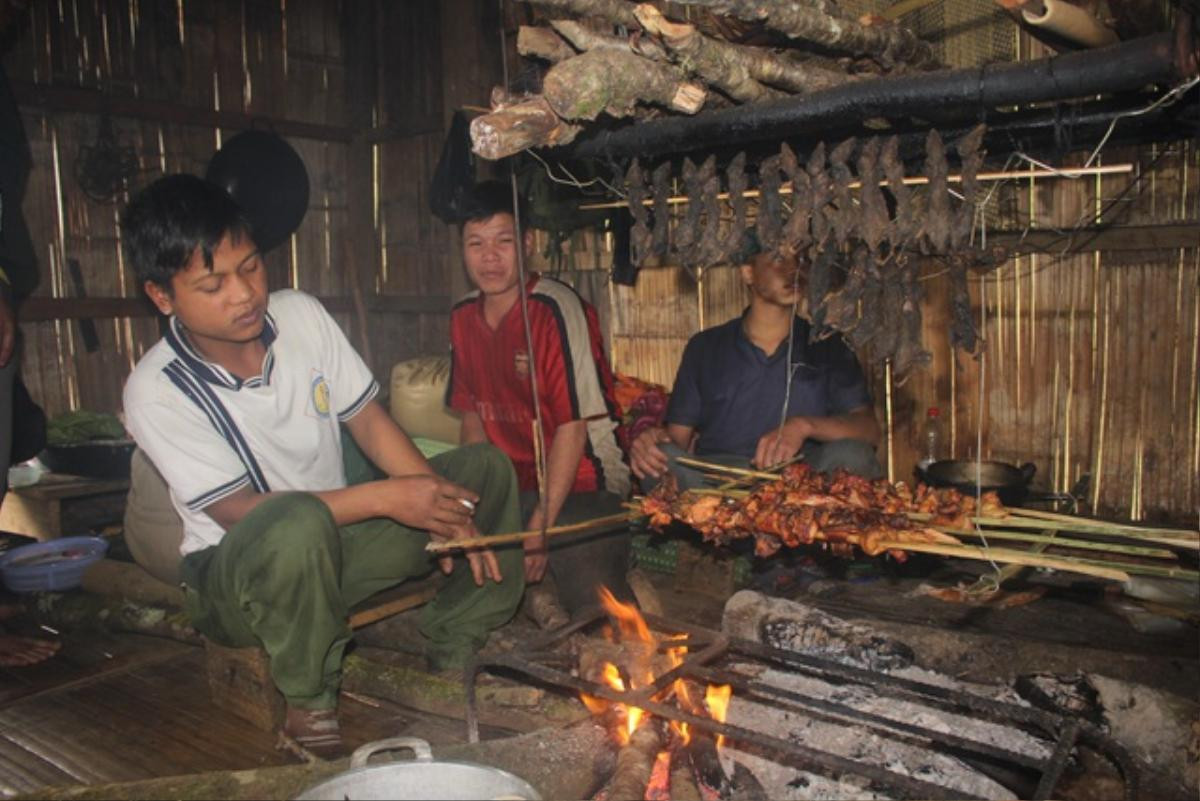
x=487, y=541
x=917, y=180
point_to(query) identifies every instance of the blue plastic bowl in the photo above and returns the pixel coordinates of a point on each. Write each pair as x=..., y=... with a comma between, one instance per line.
x=51, y=566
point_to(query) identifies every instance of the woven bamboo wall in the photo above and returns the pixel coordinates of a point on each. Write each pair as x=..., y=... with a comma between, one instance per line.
x=197, y=65
x=1090, y=362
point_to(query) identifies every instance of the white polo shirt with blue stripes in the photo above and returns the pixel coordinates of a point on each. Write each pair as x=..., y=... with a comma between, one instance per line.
x=210, y=433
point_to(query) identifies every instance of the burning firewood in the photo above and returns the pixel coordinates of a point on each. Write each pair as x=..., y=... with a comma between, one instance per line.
x=683, y=777
x=635, y=763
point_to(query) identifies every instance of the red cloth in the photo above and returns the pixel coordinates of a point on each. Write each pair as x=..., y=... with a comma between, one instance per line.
x=490, y=376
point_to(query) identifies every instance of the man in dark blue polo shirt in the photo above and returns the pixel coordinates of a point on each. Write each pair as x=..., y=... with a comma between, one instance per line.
x=732, y=386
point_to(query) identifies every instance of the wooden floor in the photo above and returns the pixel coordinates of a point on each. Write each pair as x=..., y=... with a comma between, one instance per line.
x=113, y=708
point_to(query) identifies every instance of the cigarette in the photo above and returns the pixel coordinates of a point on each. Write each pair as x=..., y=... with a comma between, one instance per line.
x=47, y=628
x=469, y=504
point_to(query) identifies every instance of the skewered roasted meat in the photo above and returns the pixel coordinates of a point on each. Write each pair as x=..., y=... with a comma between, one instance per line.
x=804, y=506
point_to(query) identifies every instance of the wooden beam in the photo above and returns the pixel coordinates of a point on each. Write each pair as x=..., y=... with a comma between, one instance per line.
x=1168, y=236
x=42, y=309
x=81, y=100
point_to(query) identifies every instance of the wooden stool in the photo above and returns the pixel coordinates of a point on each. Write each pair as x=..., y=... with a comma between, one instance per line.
x=239, y=679
x=61, y=505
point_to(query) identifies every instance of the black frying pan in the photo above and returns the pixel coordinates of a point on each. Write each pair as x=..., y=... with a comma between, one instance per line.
x=267, y=178
x=1009, y=482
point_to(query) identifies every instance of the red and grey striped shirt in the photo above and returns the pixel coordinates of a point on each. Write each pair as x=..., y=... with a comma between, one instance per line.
x=490, y=376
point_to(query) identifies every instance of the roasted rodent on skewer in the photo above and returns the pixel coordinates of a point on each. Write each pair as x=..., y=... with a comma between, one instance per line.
x=804, y=506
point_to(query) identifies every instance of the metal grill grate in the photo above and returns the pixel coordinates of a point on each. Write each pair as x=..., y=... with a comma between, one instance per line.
x=711, y=657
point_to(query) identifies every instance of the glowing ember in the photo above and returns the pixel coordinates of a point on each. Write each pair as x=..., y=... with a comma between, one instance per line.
x=659, y=788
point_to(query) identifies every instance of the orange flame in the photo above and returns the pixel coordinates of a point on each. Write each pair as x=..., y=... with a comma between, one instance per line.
x=717, y=701
x=633, y=629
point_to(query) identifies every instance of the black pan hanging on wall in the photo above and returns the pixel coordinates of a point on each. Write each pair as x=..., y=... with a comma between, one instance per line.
x=267, y=178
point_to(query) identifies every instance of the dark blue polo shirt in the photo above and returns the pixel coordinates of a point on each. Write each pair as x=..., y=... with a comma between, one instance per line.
x=732, y=392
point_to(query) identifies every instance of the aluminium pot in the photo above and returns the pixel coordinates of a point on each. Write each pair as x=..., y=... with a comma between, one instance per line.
x=1009, y=482
x=420, y=778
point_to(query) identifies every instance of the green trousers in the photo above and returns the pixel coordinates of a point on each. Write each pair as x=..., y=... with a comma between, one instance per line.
x=285, y=577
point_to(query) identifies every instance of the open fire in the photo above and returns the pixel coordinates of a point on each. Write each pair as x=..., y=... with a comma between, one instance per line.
x=799, y=725
x=633, y=659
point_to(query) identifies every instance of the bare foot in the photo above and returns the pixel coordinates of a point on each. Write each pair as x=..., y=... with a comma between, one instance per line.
x=17, y=651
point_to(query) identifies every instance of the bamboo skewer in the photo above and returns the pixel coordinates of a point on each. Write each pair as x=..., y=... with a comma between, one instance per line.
x=1012, y=557
x=436, y=546
x=1088, y=545
x=1179, y=533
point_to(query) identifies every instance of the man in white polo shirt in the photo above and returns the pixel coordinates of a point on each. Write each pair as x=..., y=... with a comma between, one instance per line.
x=239, y=407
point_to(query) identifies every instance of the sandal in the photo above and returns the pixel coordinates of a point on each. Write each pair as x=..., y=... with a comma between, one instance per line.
x=315, y=730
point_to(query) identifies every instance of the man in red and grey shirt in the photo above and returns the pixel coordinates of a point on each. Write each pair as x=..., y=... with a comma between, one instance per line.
x=586, y=472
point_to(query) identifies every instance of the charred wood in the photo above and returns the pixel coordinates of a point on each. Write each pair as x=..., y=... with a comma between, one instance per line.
x=683, y=778
x=826, y=24
x=1127, y=67
x=520, y=125
x=702, y=752
x=615, y=81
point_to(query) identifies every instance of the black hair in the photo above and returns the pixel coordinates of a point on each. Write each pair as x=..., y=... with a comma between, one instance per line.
x=487, y=199
x=167, y=221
